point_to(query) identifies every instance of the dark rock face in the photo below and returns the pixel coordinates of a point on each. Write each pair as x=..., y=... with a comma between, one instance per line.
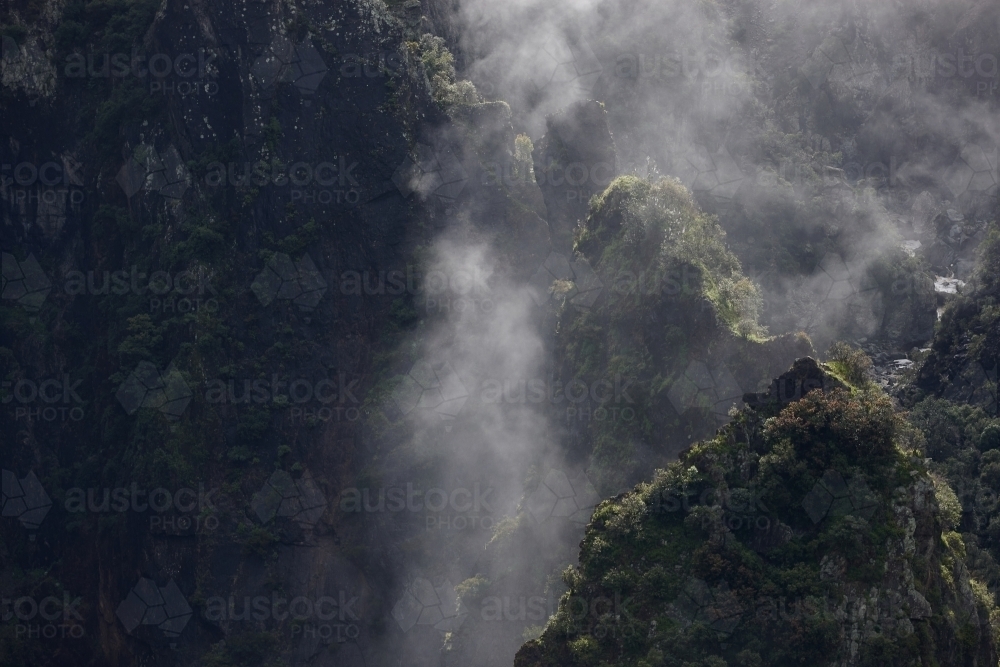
x=299, y=183
x=804, y=376
x=277, y=188
x=575, y=160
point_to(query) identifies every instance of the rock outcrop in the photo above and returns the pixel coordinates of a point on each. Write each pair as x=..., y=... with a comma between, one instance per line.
x=815, y=535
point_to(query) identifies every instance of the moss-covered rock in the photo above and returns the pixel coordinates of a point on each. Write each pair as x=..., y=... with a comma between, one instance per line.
x=813, y=536
x=673, y=319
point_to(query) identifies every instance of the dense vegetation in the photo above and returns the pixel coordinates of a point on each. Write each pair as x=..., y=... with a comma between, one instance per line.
x=801, y=534
x=812, y=520
x=672, y=293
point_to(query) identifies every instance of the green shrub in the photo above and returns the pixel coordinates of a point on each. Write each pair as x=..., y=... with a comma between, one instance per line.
x=989, y=439
x=854, y=364
x=949, y=428
x=439, y=65
x=827, y=428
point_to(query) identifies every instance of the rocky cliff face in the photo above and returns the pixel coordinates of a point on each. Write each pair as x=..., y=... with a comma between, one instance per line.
x=575, y=160
x=807, y=529
x=313, y=352
x=217, y=255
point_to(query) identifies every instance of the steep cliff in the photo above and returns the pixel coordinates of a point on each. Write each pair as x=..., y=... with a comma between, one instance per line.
x=806, y=531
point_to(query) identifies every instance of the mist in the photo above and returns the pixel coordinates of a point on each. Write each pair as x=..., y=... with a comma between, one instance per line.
x=516, y=259
x=703, y=93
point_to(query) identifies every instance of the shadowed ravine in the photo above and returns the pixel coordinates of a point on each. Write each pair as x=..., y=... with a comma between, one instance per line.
x=412, y=334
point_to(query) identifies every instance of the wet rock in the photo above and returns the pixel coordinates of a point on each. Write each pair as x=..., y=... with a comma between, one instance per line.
x=575, y=160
